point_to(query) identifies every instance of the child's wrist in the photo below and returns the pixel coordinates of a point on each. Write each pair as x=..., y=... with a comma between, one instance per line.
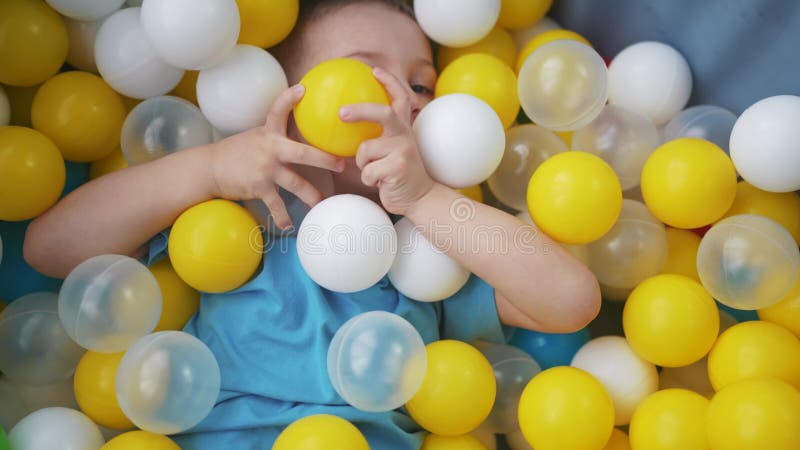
x=418, y=210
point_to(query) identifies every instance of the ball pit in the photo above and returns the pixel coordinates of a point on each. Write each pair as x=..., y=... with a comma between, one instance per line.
x=682, y=412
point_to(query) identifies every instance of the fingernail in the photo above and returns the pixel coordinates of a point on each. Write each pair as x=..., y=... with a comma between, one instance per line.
x=299, y=88
x=344, y=112
x=377, y=71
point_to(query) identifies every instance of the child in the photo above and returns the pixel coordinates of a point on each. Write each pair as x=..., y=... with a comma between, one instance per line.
x=270, y=336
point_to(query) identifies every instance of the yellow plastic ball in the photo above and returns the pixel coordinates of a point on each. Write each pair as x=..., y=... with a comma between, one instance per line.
x=670, y=320
x=140, y=440
x=81, y=114
x=20, y=99
x=95, y=389
x=473, y=192
x=566, y=408
x=321, y=432
x=786, y=312
x=754, y=349
x=463, y=442
x=574, y=197
x=618, y=441
x=265, y=23
x=113, y=162
x=688, y=183
x=545, y=38
x=522, y=13
x=485, y=77
x=32, y=173
x=497, y=43
x=458, y=391
x=782, y=207
x=33, y=42
x=682, y=248
x=672, y=419
x=179, y=302
x=757, y=414
x=187, y=87
x=215, y=246
x=329, y=86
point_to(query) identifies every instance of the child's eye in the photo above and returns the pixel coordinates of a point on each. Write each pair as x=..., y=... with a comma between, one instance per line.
x=421, y=89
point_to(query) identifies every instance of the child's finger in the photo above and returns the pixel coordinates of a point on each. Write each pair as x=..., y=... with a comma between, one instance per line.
x=299, y=186
x=298, y=153
x=371, y=150
x=401, y=99
x=276, y=207
x=278, y=116
x=374, y=112
x=374, y=172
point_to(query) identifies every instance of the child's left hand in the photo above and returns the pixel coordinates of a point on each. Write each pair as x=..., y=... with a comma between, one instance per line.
x=391, y=162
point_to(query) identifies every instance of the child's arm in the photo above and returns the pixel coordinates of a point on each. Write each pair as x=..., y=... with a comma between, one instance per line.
x=538, y=284
x=120, y=212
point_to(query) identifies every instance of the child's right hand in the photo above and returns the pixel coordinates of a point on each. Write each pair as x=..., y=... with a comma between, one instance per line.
x=252, y=164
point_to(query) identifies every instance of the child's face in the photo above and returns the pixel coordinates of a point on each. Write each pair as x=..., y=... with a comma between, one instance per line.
x=378, y=36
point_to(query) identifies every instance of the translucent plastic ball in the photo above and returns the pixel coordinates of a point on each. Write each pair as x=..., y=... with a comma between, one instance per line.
x=627, y=377
x=765, y=144
x=565, y=407
x=128, y=62
x=5, y=108
x=688, y=183
x=544, y=38
x=159, y=126
x=563, y=85
x=377, y=361
x=670, y=320
x=346, y=243
x=82, y=36
x=85, y=10
x=14, y=407
x=167, y=382
x=650, y=78
x=712, y=123
x=670, y=419
x=420, y=270
x=635, y=248
x=461, y=140
x=108, y=302
x=457, y=23
x=321, y=432
x=748, y=262
x=522, y=36
x=527, y=147
x=56, y=428
x=623, y=139
x=237, y=93
x=513, y=369
x=35, y=348
x=191, y=34
x=330, y=86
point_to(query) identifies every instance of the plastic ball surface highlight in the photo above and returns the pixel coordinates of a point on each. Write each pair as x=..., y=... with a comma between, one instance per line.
x=140, y=440
x=748, y=262
x=95, y=389
x=457, y=23
x=55, y=428
x=215, y=246
x=558, y=402
x=672, y=419
x=461, y=140
x=330, y=86
x=562, y=85
x=574, y=197
x=321, y=432
x=167, y=382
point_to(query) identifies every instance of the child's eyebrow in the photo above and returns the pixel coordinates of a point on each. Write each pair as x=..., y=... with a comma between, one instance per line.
x=379, y=58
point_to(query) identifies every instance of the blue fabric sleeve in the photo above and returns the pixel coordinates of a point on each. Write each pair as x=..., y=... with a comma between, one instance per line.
x=156, y=248
x=471, y=314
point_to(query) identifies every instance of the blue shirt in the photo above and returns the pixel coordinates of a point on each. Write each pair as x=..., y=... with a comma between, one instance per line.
x=271, y=337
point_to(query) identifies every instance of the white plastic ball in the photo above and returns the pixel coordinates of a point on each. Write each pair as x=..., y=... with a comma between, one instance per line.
x=765, y=144
x=562, y=86
x=167, y=382
x=34, y=347
x=108, y=302
x=5, y=108
x=623, y=139
x=627, y=377
x=421, y=271
x=127, y=61
x=86, y=10
x=522, y=36
x=748, y=261
x=708, y=122
x=159, y=126
x=377, y=361
x=346, y=243
x=457, y=23
x=191, y=34
x=237, y=94
x=513, y=369
x=461, y=140
x=56, y=428
x=82, y=36
x=650, y=78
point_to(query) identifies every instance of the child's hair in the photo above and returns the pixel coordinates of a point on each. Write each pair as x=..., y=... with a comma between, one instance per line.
x=313, y=10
